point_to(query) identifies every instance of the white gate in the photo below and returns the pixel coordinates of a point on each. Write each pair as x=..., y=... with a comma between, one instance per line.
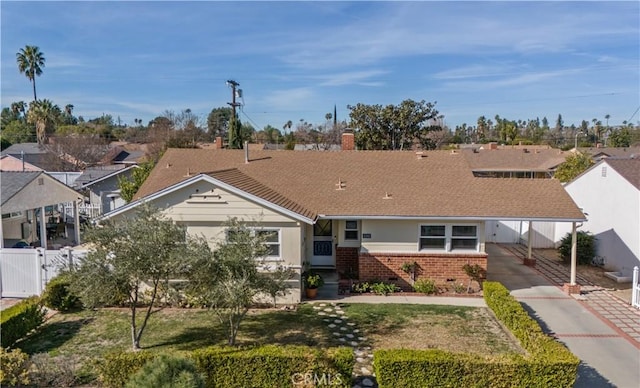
x=635, y=294
x=25, y=272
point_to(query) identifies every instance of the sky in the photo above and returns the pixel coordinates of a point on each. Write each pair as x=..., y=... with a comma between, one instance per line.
x=297, y=60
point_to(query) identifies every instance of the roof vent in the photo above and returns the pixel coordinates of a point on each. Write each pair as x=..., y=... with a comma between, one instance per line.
x=188, y=172
x=387, y=195
x=526, y=151
x=340, y=185
x=168, y=165
x=420, y=155
x=454, y=152
x=475, y=151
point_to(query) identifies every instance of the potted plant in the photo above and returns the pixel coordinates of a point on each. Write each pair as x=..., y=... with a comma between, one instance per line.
x=312, y=281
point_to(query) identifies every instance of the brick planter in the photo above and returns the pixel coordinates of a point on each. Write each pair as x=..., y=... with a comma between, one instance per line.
x=439, y=267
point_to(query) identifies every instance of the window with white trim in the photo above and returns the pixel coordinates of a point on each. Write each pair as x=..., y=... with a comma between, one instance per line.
x=448, y=237
x=270, y=237
x=271, y=240
x=351, y=231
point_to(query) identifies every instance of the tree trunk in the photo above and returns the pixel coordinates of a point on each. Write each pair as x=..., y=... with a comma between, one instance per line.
x=132, y=306
x=33, y=81
x=148, y=312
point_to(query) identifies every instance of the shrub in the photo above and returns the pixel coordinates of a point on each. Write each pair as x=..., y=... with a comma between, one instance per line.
x=167, y=372
x=57, y=295
x=19, y=320
x=14, y=367
x=47, y=371
x=425, y=286
x=362, y=287
x=117, y=368
x=275, y=366
x=382, y=288
x=586, y=247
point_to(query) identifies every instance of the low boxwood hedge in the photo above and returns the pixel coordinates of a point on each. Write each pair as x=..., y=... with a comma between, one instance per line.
x=20, y=319
x=546, y=364
x=262, y=366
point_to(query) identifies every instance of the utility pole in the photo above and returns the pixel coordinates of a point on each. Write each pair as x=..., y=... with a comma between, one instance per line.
x=234, y=133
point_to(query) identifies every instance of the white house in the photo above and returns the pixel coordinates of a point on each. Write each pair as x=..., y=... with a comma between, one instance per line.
x=609, y=195
x=363, y=212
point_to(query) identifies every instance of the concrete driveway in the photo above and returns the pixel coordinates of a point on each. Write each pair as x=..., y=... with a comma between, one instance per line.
x=608, y=358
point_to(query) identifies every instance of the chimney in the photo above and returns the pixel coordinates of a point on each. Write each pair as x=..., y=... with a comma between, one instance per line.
x=246, y=151
x=218, y=142
x=493, y=146
x=348, y=140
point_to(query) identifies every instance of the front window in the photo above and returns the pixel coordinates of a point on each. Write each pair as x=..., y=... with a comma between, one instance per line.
x=448, y=237
x=351, y=230
x=432, y=237
x=272, y=241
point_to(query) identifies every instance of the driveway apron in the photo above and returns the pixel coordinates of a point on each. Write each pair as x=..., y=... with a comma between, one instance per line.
x=609, y=358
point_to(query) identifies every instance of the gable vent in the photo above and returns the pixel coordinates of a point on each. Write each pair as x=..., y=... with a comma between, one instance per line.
x=604, y=171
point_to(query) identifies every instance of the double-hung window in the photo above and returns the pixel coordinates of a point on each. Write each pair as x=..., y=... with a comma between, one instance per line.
x=447, y=237
x=270, y=238
x=351, y=230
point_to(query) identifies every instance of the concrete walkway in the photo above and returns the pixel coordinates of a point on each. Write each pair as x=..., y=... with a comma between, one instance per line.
x=610, y=357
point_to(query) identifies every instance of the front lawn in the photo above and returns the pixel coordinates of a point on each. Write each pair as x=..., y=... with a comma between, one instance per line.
x=451, y=328
x=84, y=337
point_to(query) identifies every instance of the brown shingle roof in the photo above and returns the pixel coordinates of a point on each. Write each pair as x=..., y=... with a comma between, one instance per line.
x=628, y=168
x=440, y=184
x=531, y=159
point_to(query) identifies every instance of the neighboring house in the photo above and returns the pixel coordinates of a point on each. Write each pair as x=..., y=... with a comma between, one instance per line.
x=27, y=198
x=529, y=162
x=364, y=212
x=101, y=186
x=120, y=155
x=11, y=163
x=609, y=195
x=36, y=155
x=599, y=153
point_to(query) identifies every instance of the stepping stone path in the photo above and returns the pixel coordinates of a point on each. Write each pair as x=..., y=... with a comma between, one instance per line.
x=347, y=334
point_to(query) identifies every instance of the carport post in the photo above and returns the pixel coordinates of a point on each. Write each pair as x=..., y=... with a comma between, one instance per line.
x=76, y=222
x=43, y=228
x=572, y=287
x=529, y=238
x=574, y=251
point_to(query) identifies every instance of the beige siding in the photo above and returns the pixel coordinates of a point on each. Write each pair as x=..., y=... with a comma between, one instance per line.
x=402, y=236
x=219, y=205
x=341, y=225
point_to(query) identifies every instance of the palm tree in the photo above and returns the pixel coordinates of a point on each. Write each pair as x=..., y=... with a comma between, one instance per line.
x=68, y=109
x=43, y=114
x=30, y=62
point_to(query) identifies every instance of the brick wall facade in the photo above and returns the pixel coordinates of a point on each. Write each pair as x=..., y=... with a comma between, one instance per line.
x=346, y=260
x=441, y=268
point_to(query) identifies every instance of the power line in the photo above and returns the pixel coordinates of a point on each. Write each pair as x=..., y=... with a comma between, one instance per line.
x=634, y=113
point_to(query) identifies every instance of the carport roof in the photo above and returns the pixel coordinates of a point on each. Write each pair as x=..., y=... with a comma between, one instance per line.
x=30, y=190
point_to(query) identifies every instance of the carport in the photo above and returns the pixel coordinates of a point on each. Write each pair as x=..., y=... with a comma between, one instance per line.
x=23, y=193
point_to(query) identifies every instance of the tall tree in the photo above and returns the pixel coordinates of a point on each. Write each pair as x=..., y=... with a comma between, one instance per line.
x=131, y=258
x=218, y=122
x=30, y=62
x=573, y=166
x=394, y=127
x=44, y=114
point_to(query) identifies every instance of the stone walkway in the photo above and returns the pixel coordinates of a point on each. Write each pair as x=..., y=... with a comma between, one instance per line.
x=619, y=315
x=348, y=334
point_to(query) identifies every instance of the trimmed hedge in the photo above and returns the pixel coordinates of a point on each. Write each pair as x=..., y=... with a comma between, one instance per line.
x=166, y=371
x=275, y=366
x=20, y=319
x=547, y=363
x=265, y=366
x=57, y=295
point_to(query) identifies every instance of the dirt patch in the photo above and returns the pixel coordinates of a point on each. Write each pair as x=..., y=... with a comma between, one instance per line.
x=477, y=333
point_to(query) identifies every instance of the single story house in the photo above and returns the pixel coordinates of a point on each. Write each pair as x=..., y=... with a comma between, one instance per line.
x=609, y=194
x=362, y=212
x=100, y=184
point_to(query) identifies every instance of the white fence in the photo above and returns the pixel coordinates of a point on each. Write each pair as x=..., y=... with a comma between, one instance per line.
x=635, y=291
x=88, y=210
x=25, y=272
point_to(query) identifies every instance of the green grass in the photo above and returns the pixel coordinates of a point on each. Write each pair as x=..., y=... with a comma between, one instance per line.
x=452, y=328
x=86, y=336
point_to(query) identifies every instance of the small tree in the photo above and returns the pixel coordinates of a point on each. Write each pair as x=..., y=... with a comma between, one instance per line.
x=129, y=257
x=229, y=280
x=586, y=247
x=129, y=187
x=573, y=166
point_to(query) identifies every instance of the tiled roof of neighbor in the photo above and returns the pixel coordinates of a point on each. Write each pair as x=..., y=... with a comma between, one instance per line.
x=371, y=183
x=529, y=159
x=628, y=168
x=14, y=181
